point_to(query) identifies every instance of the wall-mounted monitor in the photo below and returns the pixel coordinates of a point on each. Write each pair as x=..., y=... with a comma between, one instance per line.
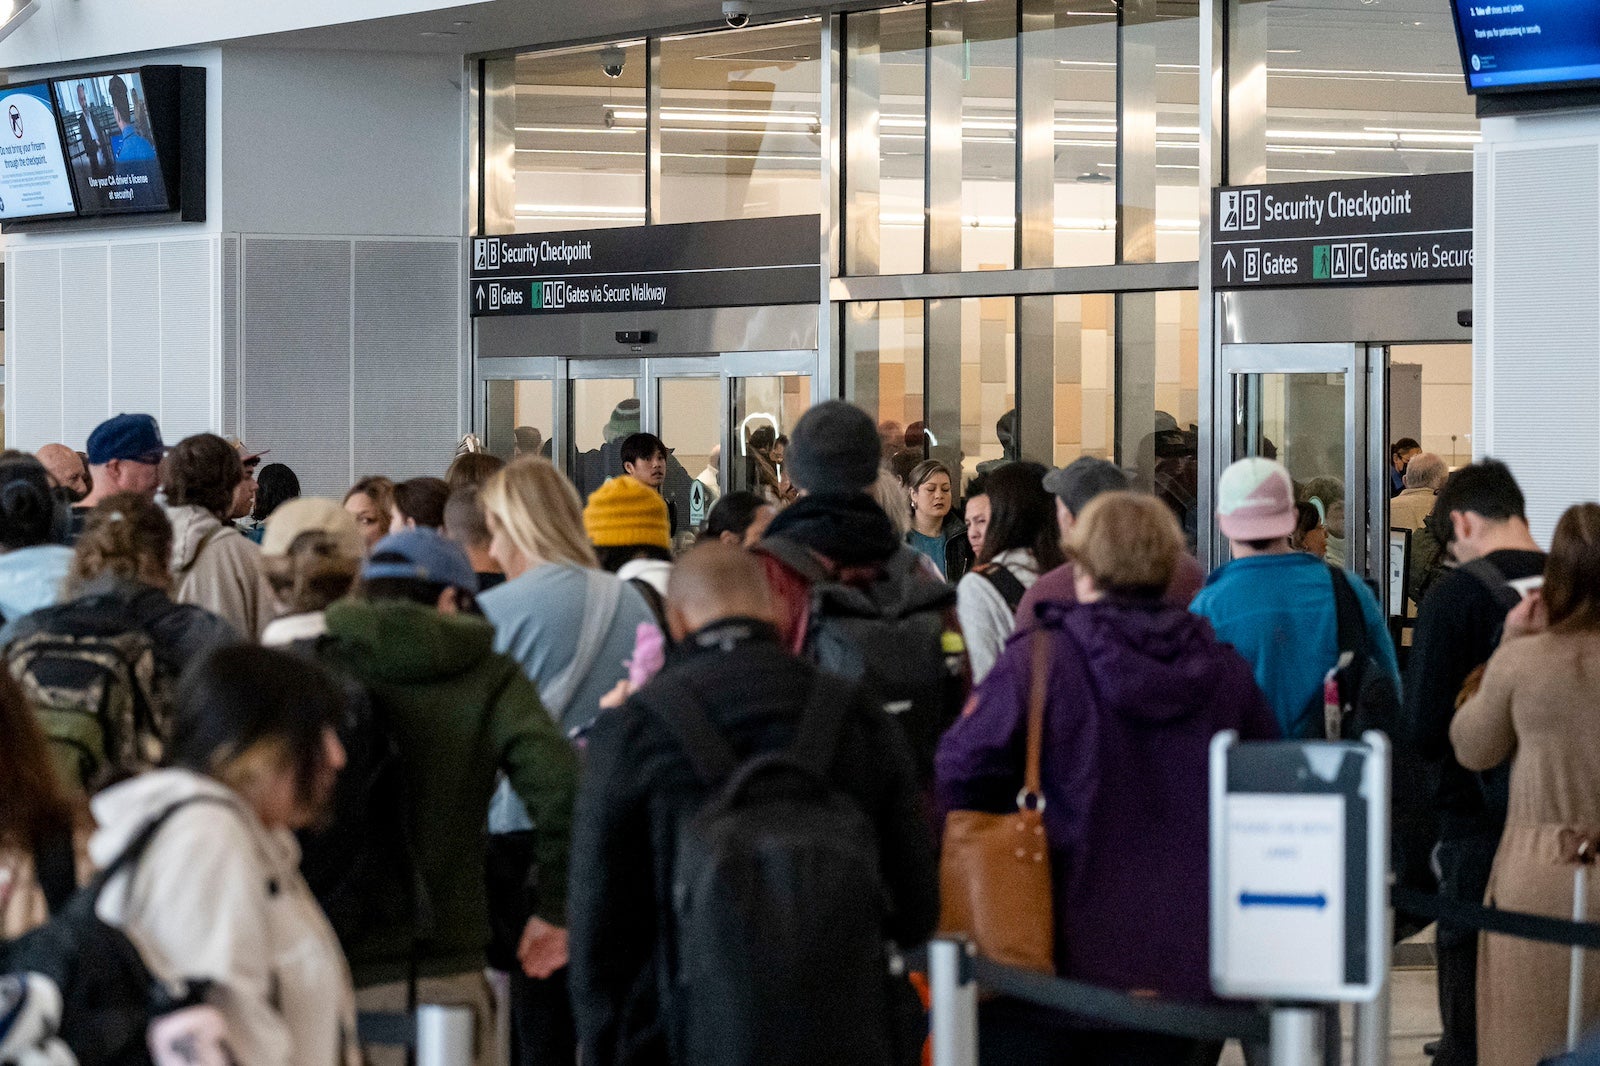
x=33, y=166
x=112, y=144
x=1528, y=45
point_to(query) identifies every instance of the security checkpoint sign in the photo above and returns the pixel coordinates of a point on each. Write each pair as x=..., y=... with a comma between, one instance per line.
x=1299, y=869
x=1364, y=231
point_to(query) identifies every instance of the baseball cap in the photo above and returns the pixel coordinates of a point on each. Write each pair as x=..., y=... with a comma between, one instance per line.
x=422, y=554
x=247, y=454
x=132, y=437
x=1255, y=501
x=312, y=514
x=1083, y=479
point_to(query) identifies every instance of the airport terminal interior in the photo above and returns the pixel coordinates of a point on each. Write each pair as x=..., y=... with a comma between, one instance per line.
x=366, y=239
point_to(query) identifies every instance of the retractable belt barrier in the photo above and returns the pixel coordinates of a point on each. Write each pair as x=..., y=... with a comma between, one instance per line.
x=1107, y=1006
x=1494, y=920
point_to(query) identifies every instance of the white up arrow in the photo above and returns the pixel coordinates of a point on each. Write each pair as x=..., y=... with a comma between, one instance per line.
x=1228, y=263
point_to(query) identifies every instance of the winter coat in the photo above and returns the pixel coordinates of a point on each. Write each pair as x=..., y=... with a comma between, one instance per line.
x=1539, y=705
x=1137, y=689
x=986, y=619
x=180, y=632
x=219, y=897
x=638, y=788
x=460, y=714
x=31, y=578
x=1060, y=586
x=216, y=567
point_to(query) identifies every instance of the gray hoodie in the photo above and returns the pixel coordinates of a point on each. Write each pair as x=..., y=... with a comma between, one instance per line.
x=216, y=567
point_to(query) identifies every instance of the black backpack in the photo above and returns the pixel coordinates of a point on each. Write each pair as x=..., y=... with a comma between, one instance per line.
x=1368, y=698
x=362, y=863
x=88, y=668
x=1007, y=584
x=109, y=996
x=892, y=636
x=777, y=955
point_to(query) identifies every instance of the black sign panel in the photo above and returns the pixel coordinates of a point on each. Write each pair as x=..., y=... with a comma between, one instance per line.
x=738, y=263
x=1369, y=231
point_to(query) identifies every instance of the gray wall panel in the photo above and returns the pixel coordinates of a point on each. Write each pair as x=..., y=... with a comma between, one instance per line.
x=34, y=339
x=85, y=340
x=406, y=352
x=187, y=374
x=297, y=357
x=135, y=319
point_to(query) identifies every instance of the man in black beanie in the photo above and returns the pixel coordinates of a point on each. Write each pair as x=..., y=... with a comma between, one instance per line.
x=849, y=595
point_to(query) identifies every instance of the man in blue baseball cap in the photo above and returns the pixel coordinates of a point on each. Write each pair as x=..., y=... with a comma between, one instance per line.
x=125, y=454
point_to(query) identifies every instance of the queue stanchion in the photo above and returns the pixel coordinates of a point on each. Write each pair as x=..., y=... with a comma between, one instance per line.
x=1373, y=1019
x=446, y=1035
x=1295, y=1037
x=953, y=1015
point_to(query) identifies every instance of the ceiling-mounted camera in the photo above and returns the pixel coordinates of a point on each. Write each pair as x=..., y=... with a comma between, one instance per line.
x=736, y=13
x=612, y=61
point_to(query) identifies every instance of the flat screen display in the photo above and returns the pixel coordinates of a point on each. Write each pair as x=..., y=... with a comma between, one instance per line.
x=33, y=167
x=1511, y=45
x=111, y=144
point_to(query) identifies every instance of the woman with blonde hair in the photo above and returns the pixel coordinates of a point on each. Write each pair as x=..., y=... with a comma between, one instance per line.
x=571, y=626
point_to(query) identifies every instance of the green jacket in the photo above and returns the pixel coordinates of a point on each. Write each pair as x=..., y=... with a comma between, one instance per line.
x=461, y=713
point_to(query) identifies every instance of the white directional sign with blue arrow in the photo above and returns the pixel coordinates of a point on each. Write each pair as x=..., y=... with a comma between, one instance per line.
x=1285, y=870
x=1299, y=866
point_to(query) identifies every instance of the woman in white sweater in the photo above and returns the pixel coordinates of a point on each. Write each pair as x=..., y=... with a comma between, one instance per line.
x=216, y=895
x=1021, y=542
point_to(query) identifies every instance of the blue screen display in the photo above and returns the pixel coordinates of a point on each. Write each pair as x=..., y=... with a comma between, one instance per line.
x=1529, y=44
x=111, y=145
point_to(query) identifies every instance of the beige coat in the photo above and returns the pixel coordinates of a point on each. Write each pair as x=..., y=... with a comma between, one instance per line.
x=1407, y=510
x=1540, y=705
x=219, y=897
x=216, y=567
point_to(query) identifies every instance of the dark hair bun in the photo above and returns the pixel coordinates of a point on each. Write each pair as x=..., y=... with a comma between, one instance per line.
x=27, y=507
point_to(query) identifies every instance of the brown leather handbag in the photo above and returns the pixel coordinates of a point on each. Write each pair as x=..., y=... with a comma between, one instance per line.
x=994, y=874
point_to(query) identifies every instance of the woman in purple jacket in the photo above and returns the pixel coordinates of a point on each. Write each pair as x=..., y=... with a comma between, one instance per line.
x=1137, y=689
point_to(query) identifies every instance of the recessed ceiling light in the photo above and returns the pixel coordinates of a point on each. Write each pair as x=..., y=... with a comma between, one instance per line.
x=462, y=22
x=437, y=33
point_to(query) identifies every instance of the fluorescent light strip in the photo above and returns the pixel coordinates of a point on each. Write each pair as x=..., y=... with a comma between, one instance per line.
x=584, y=209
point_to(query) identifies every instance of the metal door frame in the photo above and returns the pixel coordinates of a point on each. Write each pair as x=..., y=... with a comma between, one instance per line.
x=1366, y=431
x=647, y=372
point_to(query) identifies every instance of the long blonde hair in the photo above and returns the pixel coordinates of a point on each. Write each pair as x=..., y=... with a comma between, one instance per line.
x=539, y=511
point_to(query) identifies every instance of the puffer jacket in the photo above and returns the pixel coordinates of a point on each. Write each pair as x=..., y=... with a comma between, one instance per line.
x=218, y=896
x=216, y=567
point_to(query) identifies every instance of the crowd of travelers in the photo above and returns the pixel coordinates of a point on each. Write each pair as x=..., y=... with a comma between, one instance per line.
x=498, y=740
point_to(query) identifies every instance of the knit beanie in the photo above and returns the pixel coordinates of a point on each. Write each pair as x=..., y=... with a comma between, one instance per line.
x=834, y=448
x=627, y=511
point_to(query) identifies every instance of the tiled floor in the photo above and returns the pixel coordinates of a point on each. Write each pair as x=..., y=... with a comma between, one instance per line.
x=1414, y=1020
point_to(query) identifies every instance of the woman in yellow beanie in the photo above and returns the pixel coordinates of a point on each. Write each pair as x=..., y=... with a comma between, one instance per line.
x=628, y=525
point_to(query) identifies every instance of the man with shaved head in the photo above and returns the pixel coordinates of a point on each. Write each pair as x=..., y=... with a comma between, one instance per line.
x=66, y=470
x=730, y=677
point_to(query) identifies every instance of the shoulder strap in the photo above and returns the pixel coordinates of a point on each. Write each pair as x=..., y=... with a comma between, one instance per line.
x=712, y=757
x=602, y=592
x=1007, y=584
x=822, y=722
x=55, y=865
x=194, y=559
x=1352, y=635
x=1038, y=693
x=795, y=556
x=652, y=600
x=1493, y=579
x=130, y=856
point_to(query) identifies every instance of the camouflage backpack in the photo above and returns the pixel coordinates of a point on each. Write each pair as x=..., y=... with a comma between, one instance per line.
x=89, y=671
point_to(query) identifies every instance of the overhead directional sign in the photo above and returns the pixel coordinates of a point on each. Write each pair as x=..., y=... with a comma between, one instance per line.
x=1366, y=231
x=737, y=263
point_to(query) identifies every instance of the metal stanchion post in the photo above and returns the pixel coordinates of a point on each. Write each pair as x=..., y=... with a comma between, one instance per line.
x=446, y=1036
x=1372, y=1019
x=1294, y=1036
x=954, y=1013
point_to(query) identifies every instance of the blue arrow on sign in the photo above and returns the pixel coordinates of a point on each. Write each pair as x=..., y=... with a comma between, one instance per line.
x=1259, y=899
